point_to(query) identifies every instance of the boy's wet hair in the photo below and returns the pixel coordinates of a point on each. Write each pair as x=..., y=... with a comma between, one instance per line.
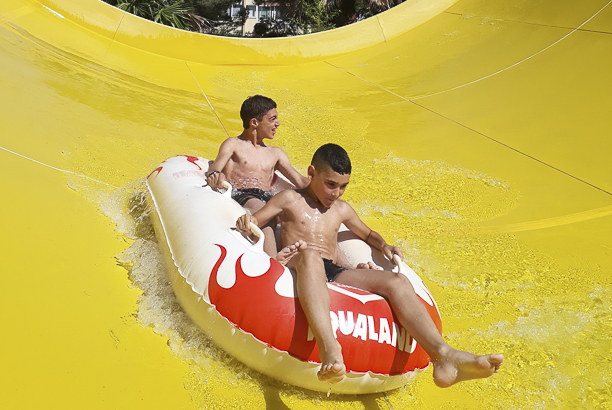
x=333, y=156
x=255, y=107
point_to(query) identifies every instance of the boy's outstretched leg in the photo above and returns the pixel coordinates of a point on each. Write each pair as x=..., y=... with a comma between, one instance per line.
x=307, y=266
x=450, y=365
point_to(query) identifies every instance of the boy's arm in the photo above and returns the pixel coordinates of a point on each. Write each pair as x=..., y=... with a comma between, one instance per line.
x=260, y=218
x=285, y=167
x=215, y=176
x=372, y=238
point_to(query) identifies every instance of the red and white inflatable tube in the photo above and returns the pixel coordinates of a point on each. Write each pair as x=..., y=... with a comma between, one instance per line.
x=246, y=301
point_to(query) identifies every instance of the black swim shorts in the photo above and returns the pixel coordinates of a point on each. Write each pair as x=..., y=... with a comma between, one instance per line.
x=243, y=195
x=331, y=269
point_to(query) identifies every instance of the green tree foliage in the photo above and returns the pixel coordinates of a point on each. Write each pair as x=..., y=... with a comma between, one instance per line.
x=213, y=9
x=205, y=16
x=298, y=17
x=350, y=11
x=313, y=17
x=295, y=17
x=173, y=13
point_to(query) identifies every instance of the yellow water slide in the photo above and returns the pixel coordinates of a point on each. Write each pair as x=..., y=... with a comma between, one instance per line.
x=480, y=137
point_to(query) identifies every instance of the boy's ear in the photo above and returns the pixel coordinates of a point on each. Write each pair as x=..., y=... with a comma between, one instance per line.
x=311, y=171
x=254, y=123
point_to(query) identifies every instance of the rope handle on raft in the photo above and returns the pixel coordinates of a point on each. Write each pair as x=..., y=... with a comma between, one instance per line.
x=260, y=236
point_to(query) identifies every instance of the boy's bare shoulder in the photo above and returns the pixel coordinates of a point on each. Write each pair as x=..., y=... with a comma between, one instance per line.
x=342, y=204
x=287, y=198
x=344, y=207
x=287, y=194
x=230, y=142
x=278, y=152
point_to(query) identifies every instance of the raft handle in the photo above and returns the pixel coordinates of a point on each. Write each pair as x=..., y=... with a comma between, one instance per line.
x=400, y=264
x=260, y=235
x=228, y=189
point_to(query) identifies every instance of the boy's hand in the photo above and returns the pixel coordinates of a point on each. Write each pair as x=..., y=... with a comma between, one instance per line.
x=389, y=251
x=243, y=224
x=215, y=180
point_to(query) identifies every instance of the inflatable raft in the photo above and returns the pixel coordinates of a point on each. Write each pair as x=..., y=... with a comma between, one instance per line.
x=246, y=301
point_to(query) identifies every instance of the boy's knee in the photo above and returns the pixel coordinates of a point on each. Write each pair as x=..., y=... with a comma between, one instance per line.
x=254, y=205
x=398, y=284
x=310, y=257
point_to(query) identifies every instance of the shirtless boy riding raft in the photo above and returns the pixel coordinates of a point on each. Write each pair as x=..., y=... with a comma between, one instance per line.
x=248, y=163
x=311, y=217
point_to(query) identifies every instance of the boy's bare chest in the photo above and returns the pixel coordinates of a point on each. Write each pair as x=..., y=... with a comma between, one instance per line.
x=249, y=157
x=313, y=221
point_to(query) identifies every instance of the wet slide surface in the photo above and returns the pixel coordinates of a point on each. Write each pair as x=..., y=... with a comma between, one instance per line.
x=479, y=134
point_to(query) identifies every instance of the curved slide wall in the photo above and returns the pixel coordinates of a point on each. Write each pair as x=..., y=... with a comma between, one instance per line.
x=479, y=132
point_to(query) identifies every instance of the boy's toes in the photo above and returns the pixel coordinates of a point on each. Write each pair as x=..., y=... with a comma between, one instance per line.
x=332, y=373
x=369, y=265
x=496, y=360
x=288, y=252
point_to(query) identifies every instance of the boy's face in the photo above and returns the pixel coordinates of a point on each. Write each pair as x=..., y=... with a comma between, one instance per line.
x=327, y=184
x=266, y=128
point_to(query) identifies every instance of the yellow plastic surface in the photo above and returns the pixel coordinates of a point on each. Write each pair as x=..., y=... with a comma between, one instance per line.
x=480, y=137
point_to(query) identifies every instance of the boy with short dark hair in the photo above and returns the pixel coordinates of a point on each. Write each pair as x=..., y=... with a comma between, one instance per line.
x=310, y=218
x=248, y=163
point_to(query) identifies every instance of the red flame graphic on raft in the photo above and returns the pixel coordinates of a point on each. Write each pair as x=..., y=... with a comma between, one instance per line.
x=193, y=161
x=253, y=306
x=158, y=170
x=189, y=159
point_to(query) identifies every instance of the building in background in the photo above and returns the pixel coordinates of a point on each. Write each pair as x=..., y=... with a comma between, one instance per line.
x=256, y=13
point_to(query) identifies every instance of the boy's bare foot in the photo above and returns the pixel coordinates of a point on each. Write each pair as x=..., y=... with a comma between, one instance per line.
x=369, y=265
x=333, y=368
x=458, y=366
x=332, y=372
x=290, y=251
